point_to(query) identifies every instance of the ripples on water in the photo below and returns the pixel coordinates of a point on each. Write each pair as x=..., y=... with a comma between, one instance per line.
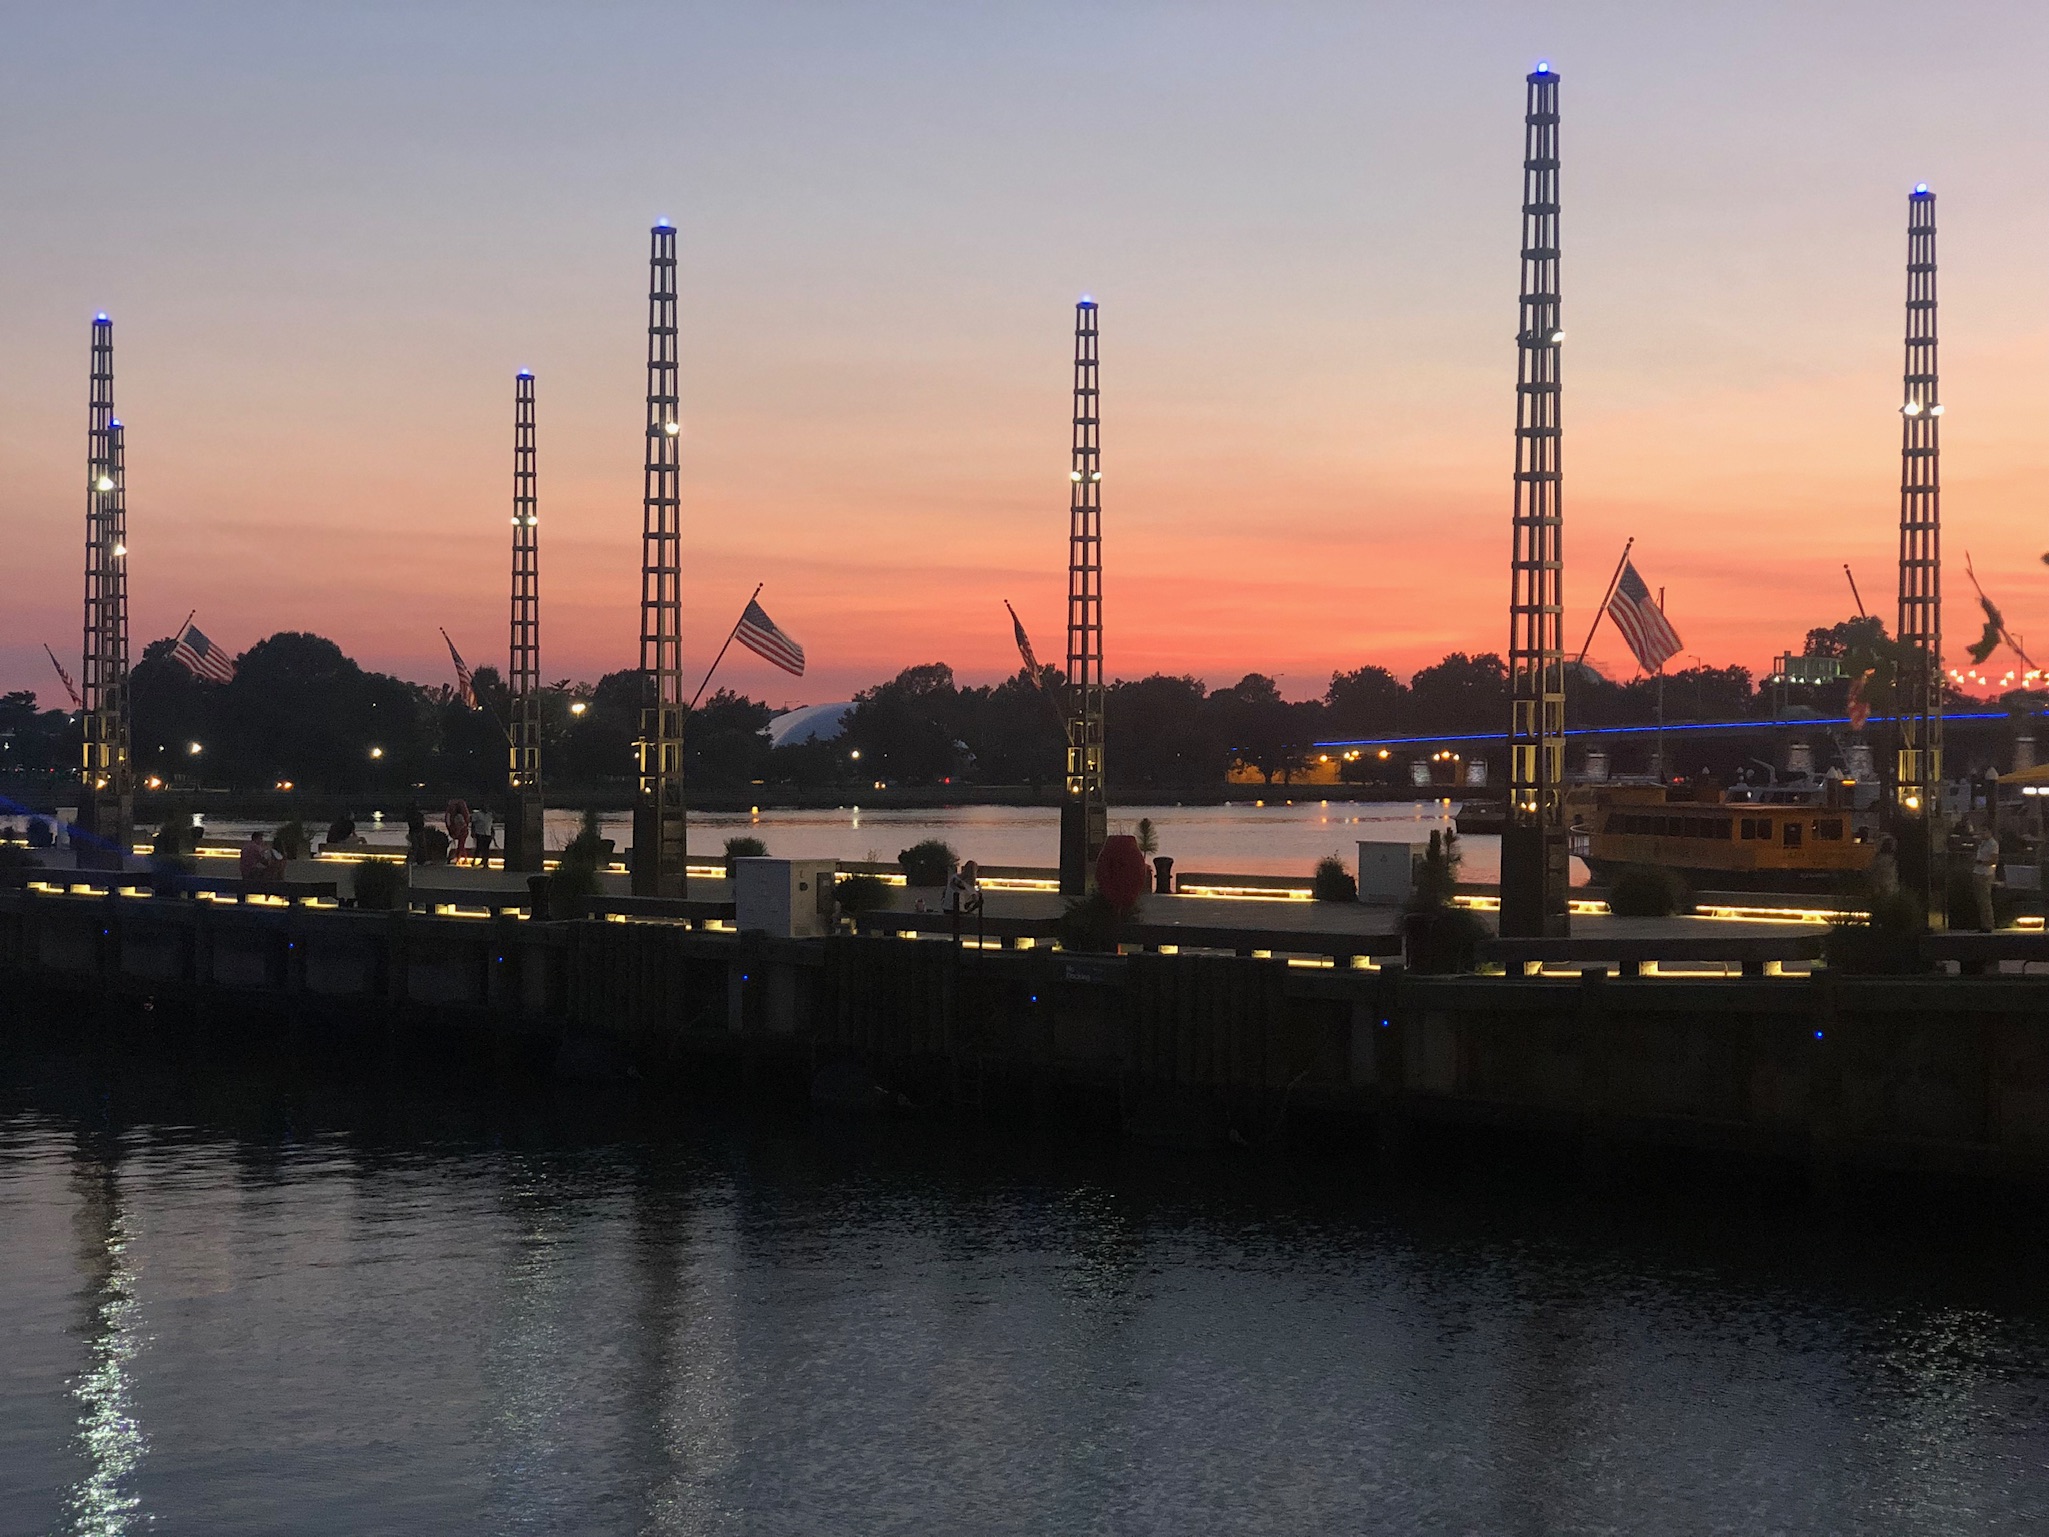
x=322, y=1312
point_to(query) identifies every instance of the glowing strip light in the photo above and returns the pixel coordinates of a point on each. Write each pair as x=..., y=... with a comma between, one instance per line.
x=1249, y=893
x=1670, y=728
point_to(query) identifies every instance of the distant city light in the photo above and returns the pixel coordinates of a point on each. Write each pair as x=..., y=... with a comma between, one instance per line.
x=855, y=754
x=193, y=749
x=578, y=707
x=376, y=752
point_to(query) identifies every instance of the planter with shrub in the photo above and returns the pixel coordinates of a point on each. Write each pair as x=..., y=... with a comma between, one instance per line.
x=858, y=894
x=1438, y=936
x=1649, y=891
x=381, y=885
x=1333, y=882
x=930, y=863
x=743, y=847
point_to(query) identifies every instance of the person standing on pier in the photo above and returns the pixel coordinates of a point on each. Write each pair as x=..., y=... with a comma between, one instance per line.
x=964, y=895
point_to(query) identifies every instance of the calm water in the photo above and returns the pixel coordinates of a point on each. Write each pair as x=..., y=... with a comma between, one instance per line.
x=1275, y=839
x=257, y=1307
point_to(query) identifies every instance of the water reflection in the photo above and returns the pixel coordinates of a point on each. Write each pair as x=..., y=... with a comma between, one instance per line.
x=392, y=1322
x=104, y=1502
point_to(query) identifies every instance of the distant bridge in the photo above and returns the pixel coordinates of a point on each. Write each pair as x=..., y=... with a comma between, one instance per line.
x=1677, y=727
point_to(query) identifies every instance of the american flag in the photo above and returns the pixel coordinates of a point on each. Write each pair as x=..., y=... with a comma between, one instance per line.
x=758, y=633
x=1641, y=621
x=465, y=685
x=1024, y=647
x=201, y=657
x=69, y=687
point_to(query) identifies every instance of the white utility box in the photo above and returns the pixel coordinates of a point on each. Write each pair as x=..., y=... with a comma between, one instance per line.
x=786, y=898
x=1387, y=868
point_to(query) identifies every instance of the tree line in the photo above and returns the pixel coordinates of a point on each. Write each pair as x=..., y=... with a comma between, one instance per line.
x=299, y=711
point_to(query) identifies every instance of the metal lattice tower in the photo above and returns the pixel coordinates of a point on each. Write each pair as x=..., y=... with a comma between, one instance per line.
x=659, y=830
x=1084, y=812
x=106, y=800
x=523, y=780
x=1920, y=627
x=1534, y=855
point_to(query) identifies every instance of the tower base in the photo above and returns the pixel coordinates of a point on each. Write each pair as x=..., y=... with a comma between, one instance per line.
x=1083, y=827
x=104, y=831
x=660, y=847
x=1536, y=873
x=523, y=832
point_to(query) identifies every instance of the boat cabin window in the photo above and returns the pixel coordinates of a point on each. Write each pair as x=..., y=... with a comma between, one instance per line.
x=1829, y=829
x=1757, y=827
x=1793, y=831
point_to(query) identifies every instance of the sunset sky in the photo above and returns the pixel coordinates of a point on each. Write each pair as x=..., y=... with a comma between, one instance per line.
x=329, y=235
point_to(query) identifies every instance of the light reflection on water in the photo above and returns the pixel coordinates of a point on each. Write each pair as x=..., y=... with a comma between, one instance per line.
x=860, y=1329
x=111, y=1444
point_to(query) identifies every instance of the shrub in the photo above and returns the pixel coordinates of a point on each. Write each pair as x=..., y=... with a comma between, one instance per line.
x=1887, y=942
x=1333, y=882
x=381, y=885
x=1090, y=923
x=39, y=834
x=1436, y=879
x=743, y=848
x=930, y=863
x=1648, y=891
x=576, y=874
x=174, y=840
x=290, y=839
x=1148, y=837
x=858, y=894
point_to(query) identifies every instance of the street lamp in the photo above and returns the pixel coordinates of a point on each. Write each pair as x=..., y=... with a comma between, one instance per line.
x=194, y=749
x=578, y=707
x=376, y=752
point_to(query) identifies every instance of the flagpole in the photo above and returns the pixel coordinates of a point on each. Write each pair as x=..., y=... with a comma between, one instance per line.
x=1854, y=593
x=1596, y=625
x=1660, y=738
x=729, y=641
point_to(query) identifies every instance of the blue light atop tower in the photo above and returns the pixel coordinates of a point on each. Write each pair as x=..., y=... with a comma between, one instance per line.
x=526, y=373
x=1543, y=66
x=101, y=316
x=1086, y=302
x=663, y=224
x=1920, y=189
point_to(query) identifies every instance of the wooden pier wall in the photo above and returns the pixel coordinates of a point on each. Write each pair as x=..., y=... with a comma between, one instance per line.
x=1942, y=1074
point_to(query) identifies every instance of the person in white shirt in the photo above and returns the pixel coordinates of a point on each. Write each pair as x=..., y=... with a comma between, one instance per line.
x=964, y=893
x=1984, y=866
